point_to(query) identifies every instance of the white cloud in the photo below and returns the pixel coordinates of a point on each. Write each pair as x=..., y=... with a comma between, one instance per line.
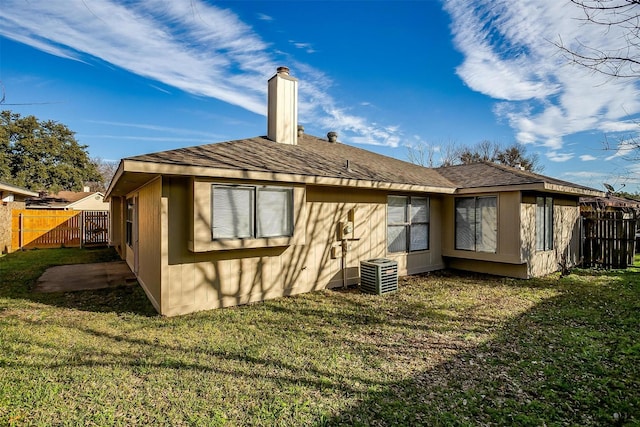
x=510, y=55
x=264, y=17
x=555, y=156
x=587, y=158
x=307, y=47
x=196, y=47
x=624, y=149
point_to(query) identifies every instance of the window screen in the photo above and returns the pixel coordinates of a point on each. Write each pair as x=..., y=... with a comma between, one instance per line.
x=407, y=223
x=232, y=212
x=274, y=212
x=544, y=223
x=477, y=224
x=243, y=212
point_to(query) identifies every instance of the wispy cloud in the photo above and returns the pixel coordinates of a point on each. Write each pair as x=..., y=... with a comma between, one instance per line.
x=307, y=47
x=509, y=55
x=187, y=44
x=587, y=158
x=624, y=149
x=154, y=128
x=264, y=17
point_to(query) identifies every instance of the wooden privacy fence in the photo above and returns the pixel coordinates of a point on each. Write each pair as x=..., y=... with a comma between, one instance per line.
x=609, y=239
x=31, y=228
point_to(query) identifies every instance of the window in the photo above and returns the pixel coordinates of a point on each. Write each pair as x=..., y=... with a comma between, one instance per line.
x=245, y=212
x=129, y=222
x=477, y=224
x=407, y=224
x=544, y=223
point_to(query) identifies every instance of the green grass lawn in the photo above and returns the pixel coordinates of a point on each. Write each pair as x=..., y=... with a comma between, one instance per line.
x=447, y=349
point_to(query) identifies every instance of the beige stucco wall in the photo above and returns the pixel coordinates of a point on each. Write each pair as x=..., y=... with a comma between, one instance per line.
x=195, y=280
x=516, y=255
x=566, y=235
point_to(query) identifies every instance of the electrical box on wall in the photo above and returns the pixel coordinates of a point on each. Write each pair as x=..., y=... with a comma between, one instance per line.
x=345, y=230
x=336, y=252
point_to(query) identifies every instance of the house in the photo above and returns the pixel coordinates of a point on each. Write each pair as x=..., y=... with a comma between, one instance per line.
x=11, y=197
x=70, y=200
x=230, y=223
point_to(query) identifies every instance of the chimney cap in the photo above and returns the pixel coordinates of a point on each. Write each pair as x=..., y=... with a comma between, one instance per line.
x=283, y=70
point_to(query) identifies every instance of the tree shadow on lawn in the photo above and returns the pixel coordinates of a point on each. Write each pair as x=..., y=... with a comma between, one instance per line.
x=120, y=300
x=20, y=271
x=572, y=359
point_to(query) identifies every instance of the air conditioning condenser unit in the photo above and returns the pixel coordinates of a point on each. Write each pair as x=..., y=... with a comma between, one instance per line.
x=378, y=276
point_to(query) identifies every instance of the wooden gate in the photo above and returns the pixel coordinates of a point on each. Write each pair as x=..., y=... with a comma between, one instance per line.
x=609, y=239
x=35, y=228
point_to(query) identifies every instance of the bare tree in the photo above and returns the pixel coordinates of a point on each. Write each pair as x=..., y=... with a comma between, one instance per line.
x=484, y=151
x=107, y=170
x=424, y=153
x=620, y=22
x=514, y=155
x=449, y=153
x=421, y=154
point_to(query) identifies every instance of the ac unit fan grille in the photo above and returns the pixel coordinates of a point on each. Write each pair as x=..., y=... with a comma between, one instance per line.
x=379, y=276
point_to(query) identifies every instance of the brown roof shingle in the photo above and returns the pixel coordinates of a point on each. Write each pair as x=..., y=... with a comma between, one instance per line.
x=486, y=174
x=311, y=157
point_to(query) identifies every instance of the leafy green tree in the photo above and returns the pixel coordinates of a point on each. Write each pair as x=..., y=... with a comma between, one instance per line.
x=42, y=155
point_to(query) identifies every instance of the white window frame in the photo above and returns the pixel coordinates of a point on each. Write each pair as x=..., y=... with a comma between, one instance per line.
x=255, y=226
x=409, y=224
x=475, y=223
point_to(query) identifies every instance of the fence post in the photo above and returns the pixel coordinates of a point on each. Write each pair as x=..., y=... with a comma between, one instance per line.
x=82, y=229
x=20, y=228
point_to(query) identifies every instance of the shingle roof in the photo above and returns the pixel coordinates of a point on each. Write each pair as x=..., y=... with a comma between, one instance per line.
x=311, y=157
x=486, y=174
x=61, y=199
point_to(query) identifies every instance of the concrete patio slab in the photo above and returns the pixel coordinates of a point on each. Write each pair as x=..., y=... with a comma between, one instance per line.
x=82, y=277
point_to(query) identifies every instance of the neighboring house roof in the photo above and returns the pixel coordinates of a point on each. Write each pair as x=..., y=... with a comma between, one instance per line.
x=317, y=161
x=62, y=199
x=6, y=189
x=488, y=176
x=611, y=201
x=312, y=160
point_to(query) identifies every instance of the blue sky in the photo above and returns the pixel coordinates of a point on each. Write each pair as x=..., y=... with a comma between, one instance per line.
x=137, y=77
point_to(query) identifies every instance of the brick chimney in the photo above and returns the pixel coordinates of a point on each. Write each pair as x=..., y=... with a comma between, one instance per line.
x=282, y=108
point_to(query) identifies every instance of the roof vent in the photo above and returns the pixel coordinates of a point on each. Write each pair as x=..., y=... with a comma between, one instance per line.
x=300, y=130
x=332, y=136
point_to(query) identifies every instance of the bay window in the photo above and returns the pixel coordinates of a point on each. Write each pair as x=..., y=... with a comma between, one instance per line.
x=476, y=224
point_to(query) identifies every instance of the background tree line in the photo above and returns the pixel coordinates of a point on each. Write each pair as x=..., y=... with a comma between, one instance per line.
x=45, y=156
x=450, y=153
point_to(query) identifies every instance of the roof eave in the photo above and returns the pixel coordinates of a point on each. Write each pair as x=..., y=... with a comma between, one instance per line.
x=536, y=186
x=153, y=169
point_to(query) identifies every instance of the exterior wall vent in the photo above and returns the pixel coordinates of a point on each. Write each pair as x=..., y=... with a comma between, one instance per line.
x=379, y=276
